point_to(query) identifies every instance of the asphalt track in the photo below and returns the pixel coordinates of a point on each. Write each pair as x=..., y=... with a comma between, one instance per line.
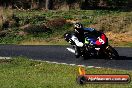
x=61, y=55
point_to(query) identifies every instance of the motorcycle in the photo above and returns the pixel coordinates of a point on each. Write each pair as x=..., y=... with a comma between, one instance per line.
x=96, y=46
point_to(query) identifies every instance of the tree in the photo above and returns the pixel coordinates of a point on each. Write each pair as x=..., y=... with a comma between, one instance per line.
x=34, y=4
x=47, y=4
x=6, y=3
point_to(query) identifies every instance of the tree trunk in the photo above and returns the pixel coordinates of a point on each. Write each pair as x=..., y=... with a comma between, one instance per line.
x=47, y=4
x=34, y=4
x=1, y=17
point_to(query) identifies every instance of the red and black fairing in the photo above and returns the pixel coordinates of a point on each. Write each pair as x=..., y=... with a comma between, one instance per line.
x=102, y=40
x=98, y=39
x=96, y=43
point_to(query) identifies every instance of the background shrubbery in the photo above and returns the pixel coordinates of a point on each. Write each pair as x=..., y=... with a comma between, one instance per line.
x=121, y=22
x=34, y=24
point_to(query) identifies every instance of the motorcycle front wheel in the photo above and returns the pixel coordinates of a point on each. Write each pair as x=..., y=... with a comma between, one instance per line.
x=111, y=53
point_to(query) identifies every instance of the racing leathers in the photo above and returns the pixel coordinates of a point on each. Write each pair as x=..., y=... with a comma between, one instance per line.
x=78, y=39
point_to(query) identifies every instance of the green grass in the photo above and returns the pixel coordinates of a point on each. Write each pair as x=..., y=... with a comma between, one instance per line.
x=34, y=15
x=116, y=21
x=14, y=39
x=21, y=72
x=130, y=44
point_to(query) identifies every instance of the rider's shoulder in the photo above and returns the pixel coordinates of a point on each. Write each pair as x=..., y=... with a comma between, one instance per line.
x=89, y=29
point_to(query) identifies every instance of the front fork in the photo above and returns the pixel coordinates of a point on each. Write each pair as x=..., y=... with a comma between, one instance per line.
x=90, y=50
x=101, y=51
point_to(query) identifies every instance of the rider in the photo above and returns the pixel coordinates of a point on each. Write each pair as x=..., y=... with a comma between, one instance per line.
x=77, y=37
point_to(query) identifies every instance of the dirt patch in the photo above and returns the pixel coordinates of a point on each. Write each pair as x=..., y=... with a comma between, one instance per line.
x=124, y=37
x=56, y=22
x=118, y=39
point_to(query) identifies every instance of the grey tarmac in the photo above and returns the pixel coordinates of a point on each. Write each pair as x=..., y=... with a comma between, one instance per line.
x=57, y=53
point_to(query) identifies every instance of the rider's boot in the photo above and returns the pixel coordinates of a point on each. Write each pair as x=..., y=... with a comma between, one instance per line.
x=77, y=52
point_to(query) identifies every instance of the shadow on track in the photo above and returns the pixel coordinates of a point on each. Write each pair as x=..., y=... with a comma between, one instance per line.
x=120, y=58
x=123, y=62
x=124, y=58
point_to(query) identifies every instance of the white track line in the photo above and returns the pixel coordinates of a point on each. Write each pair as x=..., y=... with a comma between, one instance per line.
x=71, y=64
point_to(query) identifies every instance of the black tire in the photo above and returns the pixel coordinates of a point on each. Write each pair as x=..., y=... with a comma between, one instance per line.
x=111, y=53
x=81, y=80
x=86, y=52
x=86, y=56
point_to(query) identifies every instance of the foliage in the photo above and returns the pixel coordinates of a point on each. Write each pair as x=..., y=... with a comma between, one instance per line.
x=11, y=38
x=50, y=25
x=36, y=19
x=116, y=23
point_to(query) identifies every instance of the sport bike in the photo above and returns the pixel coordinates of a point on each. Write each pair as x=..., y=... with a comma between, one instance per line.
x=96, y=45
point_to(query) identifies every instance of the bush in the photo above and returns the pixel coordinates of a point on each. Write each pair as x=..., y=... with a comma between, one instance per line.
x=3, y=33
x=35, y=29
x=115, y=23
x=35, y=19
x=11, y=38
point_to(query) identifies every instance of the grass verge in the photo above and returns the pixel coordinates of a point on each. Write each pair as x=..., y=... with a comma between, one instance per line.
x=38, y=27
x=21, y=72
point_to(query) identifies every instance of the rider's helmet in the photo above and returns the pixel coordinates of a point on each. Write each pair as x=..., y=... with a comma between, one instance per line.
x=78, y=27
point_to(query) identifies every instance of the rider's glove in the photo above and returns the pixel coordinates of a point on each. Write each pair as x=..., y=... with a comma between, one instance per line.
x=79, y=44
